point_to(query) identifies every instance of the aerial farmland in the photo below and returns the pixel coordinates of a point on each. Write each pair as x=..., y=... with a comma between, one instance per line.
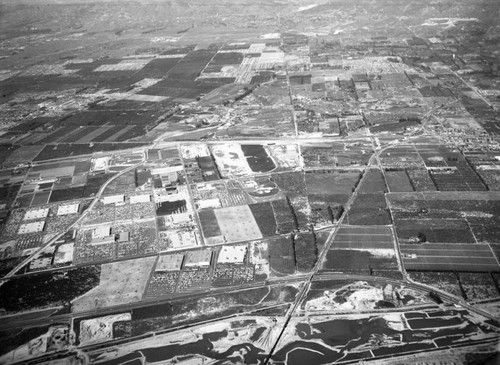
x=236, y=182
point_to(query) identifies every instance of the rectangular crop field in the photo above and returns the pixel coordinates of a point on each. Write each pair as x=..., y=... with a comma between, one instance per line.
x=281, y=256
x=360, y=261
x=449, y=257
x=373, y=182
x=364, y=238
x=421, y=180
x=264, y=216
x=369, y=209
x=398, y=181
x=434, y=230
x=332, y=182
x=23, y=154
x=209, y=224
x=306, y=251
x=283, y=214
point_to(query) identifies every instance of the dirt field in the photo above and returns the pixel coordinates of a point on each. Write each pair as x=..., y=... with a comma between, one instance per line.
x=121, y=283
x=237, y=223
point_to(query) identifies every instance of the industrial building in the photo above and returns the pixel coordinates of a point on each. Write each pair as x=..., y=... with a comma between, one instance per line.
x=32, y=227
x=146, y=198
x=170, y=262
x=199, y=258
x=68, y=209
x=114, y=199
x=232, y=254
x=33, y=214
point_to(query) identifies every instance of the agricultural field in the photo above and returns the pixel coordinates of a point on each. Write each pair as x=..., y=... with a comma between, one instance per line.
x=264, y=217
x=446, y=217
x=435, y=256
x=282, y=256
x=319, y=156
x=369, y=209
x=421, y=180
x=434, y=230
x=22, y=155
x=398, y=181
x=373, y=182
x=361, y=261
x=306, y=250
x=249, y=182
x=60, y=181
x=366, y=237
x=293, y=185
x=50, y=152
x=478, y=286
x=459, y=178
x=328, y=192
x=286, y=220
x=209, y=225
x=487, y=168
x=356, y=154
x=401, y=157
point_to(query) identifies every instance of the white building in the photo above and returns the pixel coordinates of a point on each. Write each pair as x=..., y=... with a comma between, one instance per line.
x=166, y=170
x=180, y=218
x=102, y=231
x=232, y=254
x=68, y=209
x=32, y=227
x=114, y=199
x=198, y=258
x=181, y=239
x=169, y=262
x=36, y=214
x=134, y=199
x=209, y=203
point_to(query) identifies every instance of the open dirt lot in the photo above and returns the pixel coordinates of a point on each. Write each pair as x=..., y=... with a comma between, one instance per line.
x=238, y=223
x=121, y=283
